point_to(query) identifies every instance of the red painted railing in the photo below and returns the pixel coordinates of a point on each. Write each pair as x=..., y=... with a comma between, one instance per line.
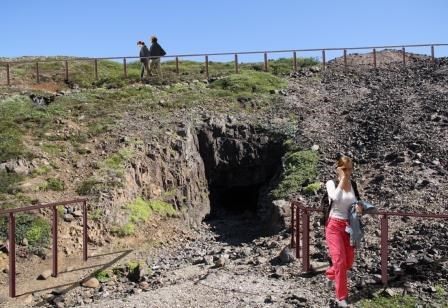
x=206, y=56
x=12, y=235
x=300, y=225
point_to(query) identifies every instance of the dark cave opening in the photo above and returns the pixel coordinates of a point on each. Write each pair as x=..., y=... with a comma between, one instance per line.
x=239, y=166
x=235, y=200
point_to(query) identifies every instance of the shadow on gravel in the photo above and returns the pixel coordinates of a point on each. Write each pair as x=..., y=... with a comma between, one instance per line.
x=70, y=286
x=236, y=229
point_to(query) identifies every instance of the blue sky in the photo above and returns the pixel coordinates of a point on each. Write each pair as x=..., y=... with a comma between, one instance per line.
x=111, y=28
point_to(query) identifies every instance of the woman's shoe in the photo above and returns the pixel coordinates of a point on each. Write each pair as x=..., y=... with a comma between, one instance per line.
x=342, y=303
x=330, y=284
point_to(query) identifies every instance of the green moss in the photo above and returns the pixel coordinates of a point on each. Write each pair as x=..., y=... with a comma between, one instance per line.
x=390, y=302
x=300, y=167
x=103, y=275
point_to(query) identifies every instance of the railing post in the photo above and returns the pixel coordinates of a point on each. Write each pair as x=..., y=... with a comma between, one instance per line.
x=266, y=67
x=37, y=72
x=125, y=68
x=12, y=255
x=84, y=232
x=306, y=241
x=95, y=66
x=8, y=80
x=323, y=59
x=236, y=64
x=374, y=57
x=293, y=226
x=345, y=59
x=55, y=241
x=177, y=66
x=384, y=249
x=403, y=51
x=298, y=231
x=433, y=59
x=66, y=70
x=206, y=67
x=294, y=61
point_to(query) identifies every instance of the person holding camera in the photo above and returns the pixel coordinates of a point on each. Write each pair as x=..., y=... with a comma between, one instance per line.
x=342, y=195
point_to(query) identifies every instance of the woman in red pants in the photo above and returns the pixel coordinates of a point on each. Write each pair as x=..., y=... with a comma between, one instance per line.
x=342, y=196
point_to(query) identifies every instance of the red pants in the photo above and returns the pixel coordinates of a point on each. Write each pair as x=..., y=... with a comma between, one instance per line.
x=342, y=255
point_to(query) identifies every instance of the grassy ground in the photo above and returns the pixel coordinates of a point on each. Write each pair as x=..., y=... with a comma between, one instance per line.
x=111, y=73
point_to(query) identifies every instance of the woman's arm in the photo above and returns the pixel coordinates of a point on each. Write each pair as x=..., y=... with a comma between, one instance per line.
x=334, y=193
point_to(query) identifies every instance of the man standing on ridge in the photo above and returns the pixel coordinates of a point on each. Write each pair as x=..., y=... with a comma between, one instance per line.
x=144, y=54
x=155, y=52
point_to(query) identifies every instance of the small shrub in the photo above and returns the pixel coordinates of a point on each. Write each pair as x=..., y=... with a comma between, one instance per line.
x=87, y=187
x=299, y=167
x=312, y=188
x=125, y=230
x=95, y=214
x=41, y=170
x=9, y=182
x=55, y=184
x=52, y=149
x=162, y=208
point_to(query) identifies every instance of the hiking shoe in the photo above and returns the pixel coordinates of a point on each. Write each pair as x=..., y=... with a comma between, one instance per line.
x=342, y=303
x=330, y=284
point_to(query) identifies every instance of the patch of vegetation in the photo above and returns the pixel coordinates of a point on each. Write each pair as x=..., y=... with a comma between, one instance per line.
x=87, y=187
x=41, y=170
x=116, y=161
x=125, y=230
x=95, y=214
x=140, y=211
x=53, y=184
x=312, y=188
x=9, y=182
x=285, y=66
x=249, y=82
x=52, y=149
x=103, y=275
x=390, y=302
x=35, y=229
x=300, y=167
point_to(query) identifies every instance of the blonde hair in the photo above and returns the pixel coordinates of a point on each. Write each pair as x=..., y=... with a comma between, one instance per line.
x=344, y=161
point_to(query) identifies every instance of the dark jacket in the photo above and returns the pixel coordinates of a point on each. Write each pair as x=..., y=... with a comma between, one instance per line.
x=144, y=52
x=156, y=50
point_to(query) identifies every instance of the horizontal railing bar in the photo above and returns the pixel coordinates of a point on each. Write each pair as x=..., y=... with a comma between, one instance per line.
x=40, y=206
x=228, y=53
x=387, y=213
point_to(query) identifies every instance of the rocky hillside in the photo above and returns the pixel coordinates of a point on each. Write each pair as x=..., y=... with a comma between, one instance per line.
x=155, y=158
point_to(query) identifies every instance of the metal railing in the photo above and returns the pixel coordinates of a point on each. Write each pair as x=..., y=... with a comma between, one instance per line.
x=12, y=236
x=206, y=56
x=300, y=225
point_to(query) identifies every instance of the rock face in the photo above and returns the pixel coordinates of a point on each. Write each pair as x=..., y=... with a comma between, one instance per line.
x=200, y=166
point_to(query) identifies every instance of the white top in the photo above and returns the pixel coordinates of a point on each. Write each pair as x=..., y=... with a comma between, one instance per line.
x=342, y=200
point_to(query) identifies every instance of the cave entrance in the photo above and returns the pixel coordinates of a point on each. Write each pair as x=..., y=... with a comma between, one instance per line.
x=234, y=200
x=239, y=166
